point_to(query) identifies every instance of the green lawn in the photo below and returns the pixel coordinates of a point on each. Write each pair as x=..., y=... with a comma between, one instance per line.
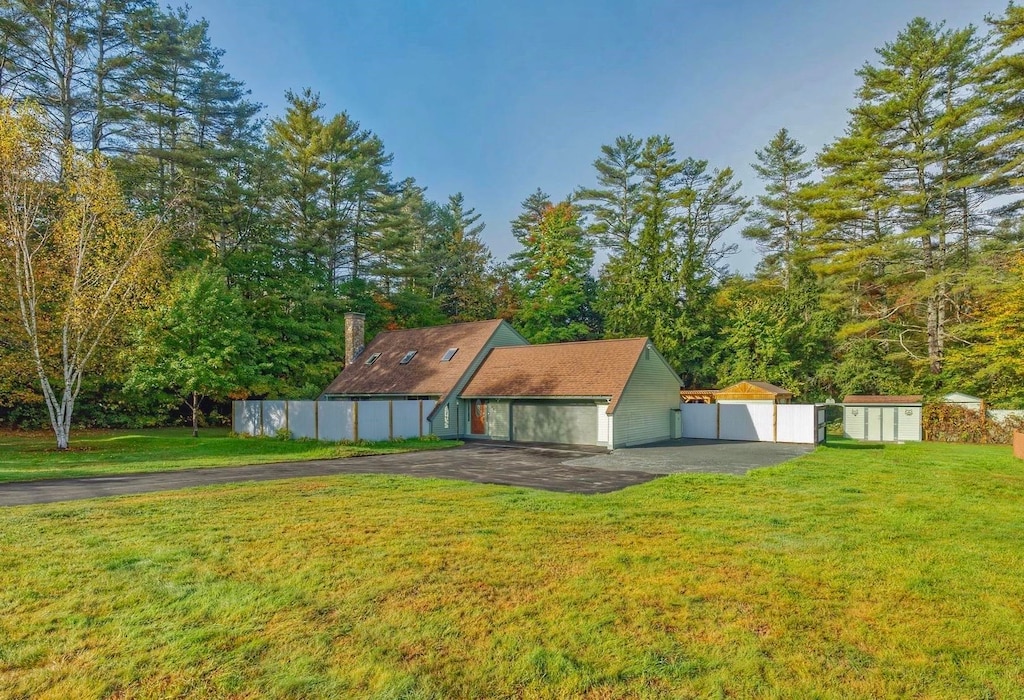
x=854, y=572
x=94, y=453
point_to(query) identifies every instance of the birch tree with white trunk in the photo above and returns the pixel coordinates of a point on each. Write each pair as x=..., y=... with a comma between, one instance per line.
x=73, y=259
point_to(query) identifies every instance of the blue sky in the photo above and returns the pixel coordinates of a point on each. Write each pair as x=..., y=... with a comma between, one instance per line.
x=495, y=99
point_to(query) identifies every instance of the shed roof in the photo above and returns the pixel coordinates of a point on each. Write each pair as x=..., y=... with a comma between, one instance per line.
x=881, y=399
x=753, y=389
x=425, y=374
x=960, y=397
x=595, y=368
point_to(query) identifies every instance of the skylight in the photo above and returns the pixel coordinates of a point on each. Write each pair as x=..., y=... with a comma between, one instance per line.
x=372, y=358
x=408, y=356
x=449, y=355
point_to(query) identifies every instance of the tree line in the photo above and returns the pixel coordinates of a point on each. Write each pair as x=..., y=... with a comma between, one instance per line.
x=890, y=259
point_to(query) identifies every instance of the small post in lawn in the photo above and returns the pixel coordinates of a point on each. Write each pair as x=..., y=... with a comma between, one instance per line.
x=1018, y=444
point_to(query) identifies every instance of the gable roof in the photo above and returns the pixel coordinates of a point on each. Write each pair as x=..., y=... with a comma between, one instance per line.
x=747, y=389
x=878, y=399
x=425, y=374
x=960, y=397
x=594, y=368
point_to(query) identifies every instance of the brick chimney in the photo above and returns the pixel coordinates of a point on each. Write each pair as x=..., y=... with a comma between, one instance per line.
x=354, y=341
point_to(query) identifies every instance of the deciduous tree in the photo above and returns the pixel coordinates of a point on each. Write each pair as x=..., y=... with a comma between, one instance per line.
x=77, y=259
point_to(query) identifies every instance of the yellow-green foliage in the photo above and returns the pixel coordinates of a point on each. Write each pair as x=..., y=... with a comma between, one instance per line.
x=858, y=571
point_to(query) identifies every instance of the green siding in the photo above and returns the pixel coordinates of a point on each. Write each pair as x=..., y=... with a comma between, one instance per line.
x=643, y=413
x=497, y=420
x=458, y=425
x=559, y=422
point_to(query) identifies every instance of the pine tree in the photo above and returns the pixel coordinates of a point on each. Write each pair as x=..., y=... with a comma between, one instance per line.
x=904, y=193
x=613, y=206
x=779, y=223
x=554, y=266
x=459, y=262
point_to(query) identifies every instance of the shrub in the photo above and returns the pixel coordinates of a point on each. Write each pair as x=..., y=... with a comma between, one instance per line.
x=947, y=422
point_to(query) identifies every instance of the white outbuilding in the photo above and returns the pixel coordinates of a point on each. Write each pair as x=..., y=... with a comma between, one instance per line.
x=882, y=418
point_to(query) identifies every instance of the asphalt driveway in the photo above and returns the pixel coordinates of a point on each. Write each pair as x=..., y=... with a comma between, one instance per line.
x=551, y=469
x=690, y=456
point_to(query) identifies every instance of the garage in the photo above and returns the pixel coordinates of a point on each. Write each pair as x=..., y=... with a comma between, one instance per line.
x=607, y=393
x=562, y=422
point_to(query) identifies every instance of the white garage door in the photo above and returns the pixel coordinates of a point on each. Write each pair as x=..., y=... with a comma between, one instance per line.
x=555, y=422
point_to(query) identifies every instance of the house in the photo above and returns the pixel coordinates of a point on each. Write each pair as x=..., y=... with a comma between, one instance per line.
x=491, y=384
x=418, y=363
x=753, y=392
x=882, y=418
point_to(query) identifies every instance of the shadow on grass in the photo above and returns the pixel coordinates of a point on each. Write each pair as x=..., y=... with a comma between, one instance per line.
x=844, y=445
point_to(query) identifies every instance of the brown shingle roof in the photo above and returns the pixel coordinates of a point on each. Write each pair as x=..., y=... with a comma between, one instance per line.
x=872, y=399
x=589, y=368
x=425, y=374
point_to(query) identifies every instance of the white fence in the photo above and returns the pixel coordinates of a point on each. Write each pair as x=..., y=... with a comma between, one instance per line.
x=333, y=420
x=754, y=422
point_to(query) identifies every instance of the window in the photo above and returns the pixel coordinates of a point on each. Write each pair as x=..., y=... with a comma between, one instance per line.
x=408, y=357
x=449, y=355
x=372, y=358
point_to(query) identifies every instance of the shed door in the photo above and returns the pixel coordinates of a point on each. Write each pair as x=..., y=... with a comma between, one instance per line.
x=555, y=422
x=889, y=424
x=873, y=423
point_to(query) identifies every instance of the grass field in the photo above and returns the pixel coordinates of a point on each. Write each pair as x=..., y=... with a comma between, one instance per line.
x=854, y=572
x=94, y=453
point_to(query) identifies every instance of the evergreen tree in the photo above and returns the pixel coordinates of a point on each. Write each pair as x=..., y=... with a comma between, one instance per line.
x=779, y=222
x=904, y=179
x=613, y=206
x=459, y=263
x=554, y=265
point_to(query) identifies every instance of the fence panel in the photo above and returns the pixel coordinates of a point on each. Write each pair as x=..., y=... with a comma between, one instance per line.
x=302, y=419
x=700, y=421
x=373, y=420
x=750, y=422
x=428, y=407
x=405, y=419
x=336, y=420
x=275, y=417
x=797, y=423
x=246, y=417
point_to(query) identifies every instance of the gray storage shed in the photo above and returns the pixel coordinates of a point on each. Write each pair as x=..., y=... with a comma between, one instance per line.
x=882, y=418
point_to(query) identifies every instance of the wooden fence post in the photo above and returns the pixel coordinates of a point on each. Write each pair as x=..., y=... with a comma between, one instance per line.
x=718, y=421
x=775, y=422
x=355, y=421
x=984, y=422
x=391, y=419
x=419, y=426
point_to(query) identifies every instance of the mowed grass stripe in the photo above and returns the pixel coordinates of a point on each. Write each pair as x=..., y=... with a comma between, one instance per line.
x=889, y=572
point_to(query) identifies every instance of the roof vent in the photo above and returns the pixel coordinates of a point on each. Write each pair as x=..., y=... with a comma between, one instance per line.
x=449, y=355
x=408, y=357
x=372, y=358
